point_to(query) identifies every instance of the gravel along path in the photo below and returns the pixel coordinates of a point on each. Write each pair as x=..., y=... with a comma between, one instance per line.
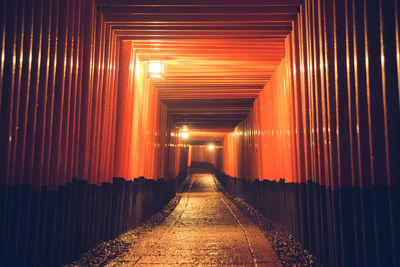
x=206, y=229
x=290, y=251
x=201, y=226
x=106, y=251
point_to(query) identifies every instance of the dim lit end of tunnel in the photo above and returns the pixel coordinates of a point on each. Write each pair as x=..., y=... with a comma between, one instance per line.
x=106, y=106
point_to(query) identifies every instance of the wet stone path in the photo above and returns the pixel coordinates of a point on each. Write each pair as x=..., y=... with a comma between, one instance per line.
x=205, y=229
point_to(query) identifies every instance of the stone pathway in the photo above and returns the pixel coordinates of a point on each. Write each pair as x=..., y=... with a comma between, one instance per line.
x=205, y=229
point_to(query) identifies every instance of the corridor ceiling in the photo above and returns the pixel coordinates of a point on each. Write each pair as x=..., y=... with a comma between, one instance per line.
x=219, y=54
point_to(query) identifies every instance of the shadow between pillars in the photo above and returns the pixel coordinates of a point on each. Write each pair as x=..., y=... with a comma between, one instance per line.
x=50, y=228
x=345, y=227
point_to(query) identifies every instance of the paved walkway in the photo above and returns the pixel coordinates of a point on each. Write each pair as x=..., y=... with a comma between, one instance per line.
x=204, y=229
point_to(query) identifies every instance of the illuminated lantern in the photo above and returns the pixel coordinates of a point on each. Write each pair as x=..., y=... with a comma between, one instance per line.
x=156, y=69
x=185, y=135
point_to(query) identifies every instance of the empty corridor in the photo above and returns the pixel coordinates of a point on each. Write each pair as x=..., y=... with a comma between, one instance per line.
x=205, y=228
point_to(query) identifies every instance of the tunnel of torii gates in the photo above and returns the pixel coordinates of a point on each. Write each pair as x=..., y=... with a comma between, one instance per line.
x=104, y=105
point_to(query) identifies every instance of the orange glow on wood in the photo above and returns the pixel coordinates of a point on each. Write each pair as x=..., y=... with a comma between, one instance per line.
x=261, y=147
x=305, y=102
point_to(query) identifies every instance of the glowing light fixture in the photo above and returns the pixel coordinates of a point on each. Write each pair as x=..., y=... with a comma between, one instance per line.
x=211, y=147
x=156, y=68
x=185, y=132
x=185, y=135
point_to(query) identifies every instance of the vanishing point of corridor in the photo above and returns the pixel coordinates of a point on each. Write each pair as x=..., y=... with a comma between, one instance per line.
x=204, y=229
